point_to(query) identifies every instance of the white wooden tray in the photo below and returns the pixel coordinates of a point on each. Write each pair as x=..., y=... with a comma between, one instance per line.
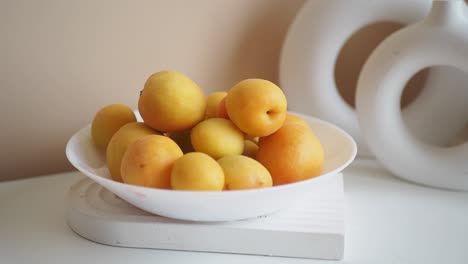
x=312, y=228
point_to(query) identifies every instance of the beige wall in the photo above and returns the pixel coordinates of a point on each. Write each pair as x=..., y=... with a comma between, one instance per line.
x=62, y=60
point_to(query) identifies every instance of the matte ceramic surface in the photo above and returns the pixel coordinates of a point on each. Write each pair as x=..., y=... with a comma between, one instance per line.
x=308, y=60
x=340, y=150
x=311, y=48
x=439, y=39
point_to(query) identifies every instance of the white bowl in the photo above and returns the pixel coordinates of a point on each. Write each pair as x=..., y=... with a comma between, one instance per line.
x=340, y=150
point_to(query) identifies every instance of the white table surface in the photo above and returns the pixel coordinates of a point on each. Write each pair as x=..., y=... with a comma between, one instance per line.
x=388, y=220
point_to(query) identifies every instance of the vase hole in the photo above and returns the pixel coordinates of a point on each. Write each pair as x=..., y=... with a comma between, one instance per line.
x=439, y=114
x=354, y=54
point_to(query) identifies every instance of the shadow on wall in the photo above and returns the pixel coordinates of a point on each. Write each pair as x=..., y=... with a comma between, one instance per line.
x=257, y=54
x=257, y=43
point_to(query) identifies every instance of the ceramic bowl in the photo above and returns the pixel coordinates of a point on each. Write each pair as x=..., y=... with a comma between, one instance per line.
x=340, y=151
